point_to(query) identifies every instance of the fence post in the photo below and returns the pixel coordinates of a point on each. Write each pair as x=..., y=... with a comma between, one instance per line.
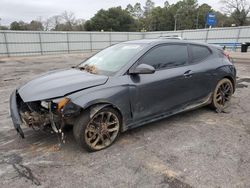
x=67, y=34
x=182, y=33
x=90, y=37
x=237, y=39
x=238, y=34
x=143, y=35
x=6, y=44
x=110, y=39
x=206, y=35
x=127, y=36
x=40, y=42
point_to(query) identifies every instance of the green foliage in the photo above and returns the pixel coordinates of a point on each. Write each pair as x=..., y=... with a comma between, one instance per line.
x=135, y=11
x=35, y=26
x=160, y=19
x=32, y=26
x=240, y=16
x=184, y=14
x=18, y=25
x=202, y=12
x=113, y=19
x=3, y=27
x=223, y=20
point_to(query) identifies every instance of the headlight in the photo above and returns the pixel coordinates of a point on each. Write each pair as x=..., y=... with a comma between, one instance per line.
x=45, y=104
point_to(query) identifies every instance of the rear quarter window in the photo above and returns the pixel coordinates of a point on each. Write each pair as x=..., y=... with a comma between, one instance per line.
x=199, y=53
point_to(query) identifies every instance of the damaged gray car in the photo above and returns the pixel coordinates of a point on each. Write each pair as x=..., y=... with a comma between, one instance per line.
x=125, y=86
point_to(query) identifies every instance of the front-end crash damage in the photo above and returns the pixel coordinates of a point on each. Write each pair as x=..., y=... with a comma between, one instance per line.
x=41, y=103
x=50, y=114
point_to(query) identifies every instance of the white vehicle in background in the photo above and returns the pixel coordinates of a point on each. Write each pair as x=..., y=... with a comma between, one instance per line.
x=171, y=37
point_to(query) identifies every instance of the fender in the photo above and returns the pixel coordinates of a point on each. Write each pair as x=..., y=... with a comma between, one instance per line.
x=227, y=71
x=100, y=97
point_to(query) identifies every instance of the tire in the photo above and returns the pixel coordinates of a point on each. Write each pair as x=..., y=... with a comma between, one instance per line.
x=222, y=94
x=103, y=129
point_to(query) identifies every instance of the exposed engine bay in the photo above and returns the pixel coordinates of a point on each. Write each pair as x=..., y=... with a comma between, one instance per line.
x=45, y=115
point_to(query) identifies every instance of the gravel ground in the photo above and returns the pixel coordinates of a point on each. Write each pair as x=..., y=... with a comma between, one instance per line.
x=199, y=148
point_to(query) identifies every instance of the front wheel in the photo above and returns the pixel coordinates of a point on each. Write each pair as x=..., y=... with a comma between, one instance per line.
x=222, y=94
x=98, y=132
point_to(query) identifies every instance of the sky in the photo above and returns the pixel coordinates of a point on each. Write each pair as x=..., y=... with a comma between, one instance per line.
x=27, y=10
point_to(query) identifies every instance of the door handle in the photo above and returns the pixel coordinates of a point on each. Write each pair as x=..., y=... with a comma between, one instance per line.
x=188, y=74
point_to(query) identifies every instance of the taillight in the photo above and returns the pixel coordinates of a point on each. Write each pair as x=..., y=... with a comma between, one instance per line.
x=227, y=56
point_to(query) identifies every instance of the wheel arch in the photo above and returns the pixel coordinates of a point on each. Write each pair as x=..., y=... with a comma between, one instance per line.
x=232, y=80
x=95, y=107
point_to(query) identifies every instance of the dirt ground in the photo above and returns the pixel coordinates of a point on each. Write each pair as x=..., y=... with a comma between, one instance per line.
x=200, y=148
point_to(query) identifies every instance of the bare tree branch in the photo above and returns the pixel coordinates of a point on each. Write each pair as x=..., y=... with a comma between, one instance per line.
x=237, y=9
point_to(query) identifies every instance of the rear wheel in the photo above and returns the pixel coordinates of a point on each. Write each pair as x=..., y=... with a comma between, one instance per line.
x=98, y=132
x=222, y=94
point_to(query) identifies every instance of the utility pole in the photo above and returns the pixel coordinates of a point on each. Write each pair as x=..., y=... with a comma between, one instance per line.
x=197, y=20
x=175, y=22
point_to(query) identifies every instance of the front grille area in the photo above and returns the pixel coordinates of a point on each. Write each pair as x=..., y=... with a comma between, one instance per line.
x=32, y=113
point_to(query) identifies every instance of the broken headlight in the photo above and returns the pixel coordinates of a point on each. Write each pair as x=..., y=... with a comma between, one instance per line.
x=62, y=105
x=45, y=104
x=49, y=105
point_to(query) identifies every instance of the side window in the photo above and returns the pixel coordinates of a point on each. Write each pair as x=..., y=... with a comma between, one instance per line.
x=199, y=52
x=167, y=56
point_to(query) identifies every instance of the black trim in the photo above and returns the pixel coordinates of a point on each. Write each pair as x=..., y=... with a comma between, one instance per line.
x=15, y=114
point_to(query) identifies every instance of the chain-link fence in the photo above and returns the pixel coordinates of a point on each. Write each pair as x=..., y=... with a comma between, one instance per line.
x=25, y=43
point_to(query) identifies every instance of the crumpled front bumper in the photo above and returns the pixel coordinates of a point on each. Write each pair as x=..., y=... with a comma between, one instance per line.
x=14, y=113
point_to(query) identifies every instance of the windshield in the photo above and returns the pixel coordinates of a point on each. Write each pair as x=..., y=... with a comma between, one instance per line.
x=111, y=60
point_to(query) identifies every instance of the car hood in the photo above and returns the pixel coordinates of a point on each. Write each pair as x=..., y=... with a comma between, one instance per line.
x=58, y=84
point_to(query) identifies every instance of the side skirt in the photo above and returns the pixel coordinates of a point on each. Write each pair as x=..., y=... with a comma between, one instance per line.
x=203, y=102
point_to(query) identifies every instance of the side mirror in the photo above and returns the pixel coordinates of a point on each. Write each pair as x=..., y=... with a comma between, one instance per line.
x=143, y=69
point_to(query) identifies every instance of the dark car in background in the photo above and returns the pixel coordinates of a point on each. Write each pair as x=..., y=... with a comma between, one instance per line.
x=125, y=86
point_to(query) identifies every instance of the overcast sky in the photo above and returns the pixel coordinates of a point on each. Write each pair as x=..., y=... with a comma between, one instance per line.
x=27, y=10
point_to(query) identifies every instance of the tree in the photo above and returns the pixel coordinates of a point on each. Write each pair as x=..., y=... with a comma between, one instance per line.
x=52, y=23
x=149, y=5
x=223, y=20
x=135, y=11
x=185, y=14
x=166, y=4
x=238, y=10
x=35, y=26
x=18, y=25
x=113, y=19
x=79, y=25
x=130, y=9
x=138, y=12
x=160, y=19
x=202, y=12
x=68, y=19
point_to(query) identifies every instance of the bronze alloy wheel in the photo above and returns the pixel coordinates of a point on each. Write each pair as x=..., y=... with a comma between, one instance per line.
x=102, y=130
x=222, y=94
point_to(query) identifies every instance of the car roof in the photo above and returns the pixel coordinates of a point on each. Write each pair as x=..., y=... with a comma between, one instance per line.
x=165, y=41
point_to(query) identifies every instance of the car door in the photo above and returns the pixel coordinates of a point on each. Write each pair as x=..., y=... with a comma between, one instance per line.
x=164, y=90
x=201, y=70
